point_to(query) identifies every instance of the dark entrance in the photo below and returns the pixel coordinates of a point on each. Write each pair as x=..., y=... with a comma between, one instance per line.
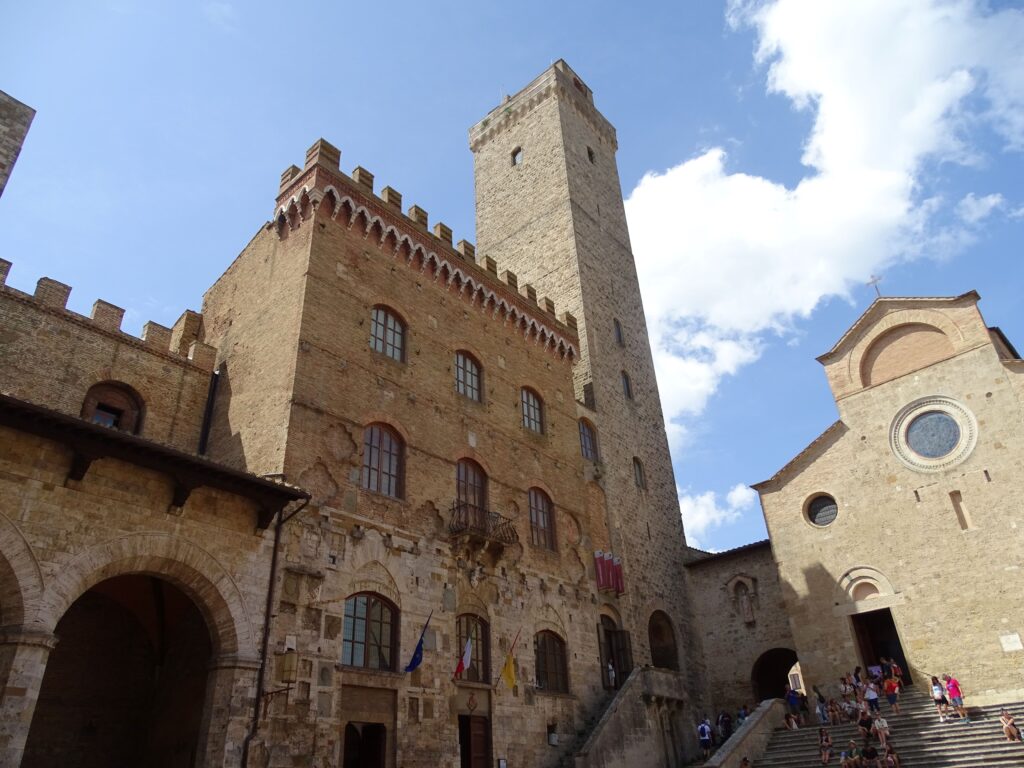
x=365, y=745
x=616, y=653
x=770, y=675
x=474, y=741
x=126, y=684
x=877, y=637
x=663, y=641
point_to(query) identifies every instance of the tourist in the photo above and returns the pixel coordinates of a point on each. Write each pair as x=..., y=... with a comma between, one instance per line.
x=956, y=697
x=891, y=686
x=897, y=672
x=858, y=681
x=892, y=760
x=825, y=745
x=835, y=712
x=880, y=728
x=864, y=723
x=742, y=715
x=725, y=725
x=871, y=696
x=886, y=665
x=869, y=756
x=850, y=757
x=1010, y=729
x=845, y=688
x=792, y=722
x=820, y=705
x=704, y=734
x=849, y=711
x=939, y=697
x=793, y=701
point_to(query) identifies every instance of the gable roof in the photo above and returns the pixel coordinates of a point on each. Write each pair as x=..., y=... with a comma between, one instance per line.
x=880, y=306
x=817, y=444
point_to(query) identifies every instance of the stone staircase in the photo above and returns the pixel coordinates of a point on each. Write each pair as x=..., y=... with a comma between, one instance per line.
x=919, y=738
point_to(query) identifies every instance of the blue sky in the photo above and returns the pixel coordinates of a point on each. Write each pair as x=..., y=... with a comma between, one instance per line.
x=774, y=155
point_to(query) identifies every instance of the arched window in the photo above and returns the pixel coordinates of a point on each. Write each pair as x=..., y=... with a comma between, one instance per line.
x=619, y=339
x=639, y=476
x=533, y=410
x=470, y=627
x=542, y=520
x=549, y=651
x=370, y=637
x=517, y=156
x=114, y=405
x=663, y=641
x=588, y=440
x=471, y=485
x=627, y=386
x=387, y=334
x=383, y=461
x=468, y=381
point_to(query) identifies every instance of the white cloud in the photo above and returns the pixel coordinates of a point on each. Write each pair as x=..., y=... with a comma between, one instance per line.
x=703, y=511
x=726, y=258
x=973, y=209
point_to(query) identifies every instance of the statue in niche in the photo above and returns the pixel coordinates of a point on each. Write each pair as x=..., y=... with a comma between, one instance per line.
x=744, y=602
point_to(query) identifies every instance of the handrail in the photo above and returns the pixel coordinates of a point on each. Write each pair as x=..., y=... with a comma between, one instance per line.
x=476, y=520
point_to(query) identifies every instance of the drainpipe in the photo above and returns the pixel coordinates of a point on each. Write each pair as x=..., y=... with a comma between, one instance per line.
x=211, y=394
x=265, y=646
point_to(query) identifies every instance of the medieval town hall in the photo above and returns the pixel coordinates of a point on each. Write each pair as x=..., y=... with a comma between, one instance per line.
x=391, y=501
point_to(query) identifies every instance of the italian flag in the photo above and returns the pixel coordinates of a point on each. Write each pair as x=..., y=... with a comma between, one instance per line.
x=466, y=660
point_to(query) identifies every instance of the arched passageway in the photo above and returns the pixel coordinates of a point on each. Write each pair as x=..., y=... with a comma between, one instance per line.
x=770, y=675
x=126, y=683
x=662, y=637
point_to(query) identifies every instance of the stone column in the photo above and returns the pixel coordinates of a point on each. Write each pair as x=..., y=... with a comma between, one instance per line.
x=228, y=710
x=23, y=655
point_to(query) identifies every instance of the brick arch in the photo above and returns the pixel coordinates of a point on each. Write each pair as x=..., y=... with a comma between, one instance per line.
x=939, y=321
x=21, y=580
x=174, y=559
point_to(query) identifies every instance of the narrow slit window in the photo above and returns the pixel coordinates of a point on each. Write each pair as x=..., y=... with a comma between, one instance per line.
x=517, y=156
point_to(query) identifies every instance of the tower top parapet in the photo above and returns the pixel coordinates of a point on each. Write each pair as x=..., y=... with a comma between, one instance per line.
x=557, y=81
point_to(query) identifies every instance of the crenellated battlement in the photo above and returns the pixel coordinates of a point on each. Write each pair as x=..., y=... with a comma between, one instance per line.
x=350, y=200
x=180, y=343
x=557, y=81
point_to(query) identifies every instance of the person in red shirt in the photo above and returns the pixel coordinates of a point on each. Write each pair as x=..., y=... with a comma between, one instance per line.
x=956, y=697
x=891, y=686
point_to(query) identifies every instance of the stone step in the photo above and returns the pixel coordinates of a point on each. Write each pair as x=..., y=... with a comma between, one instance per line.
x=918, y=735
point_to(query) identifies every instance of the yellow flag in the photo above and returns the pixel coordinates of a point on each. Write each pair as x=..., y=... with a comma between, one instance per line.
x=508, y=672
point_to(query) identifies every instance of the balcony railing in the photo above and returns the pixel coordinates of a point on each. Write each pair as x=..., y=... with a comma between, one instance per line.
x=481, y=523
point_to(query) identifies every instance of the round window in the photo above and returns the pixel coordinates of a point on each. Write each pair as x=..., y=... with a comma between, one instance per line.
x=933, y=434
x=822, y=510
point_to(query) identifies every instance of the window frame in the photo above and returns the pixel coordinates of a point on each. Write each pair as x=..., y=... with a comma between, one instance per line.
x=350, y=621
x=551, y=662
x=590, y=450
x=471, y=484
x=372, y=477
x=639, y=474
x=627, y=385
x=118, y=400
x=531, y=406
x=480, y=653
x=465, y=375
x=542, y=519
x=386, y=326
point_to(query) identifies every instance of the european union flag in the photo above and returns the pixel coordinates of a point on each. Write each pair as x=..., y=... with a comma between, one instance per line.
x=417, y=655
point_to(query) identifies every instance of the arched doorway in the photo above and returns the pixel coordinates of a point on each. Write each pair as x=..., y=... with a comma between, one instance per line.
x=770, y=674
x=662, y=637
x=126, y=684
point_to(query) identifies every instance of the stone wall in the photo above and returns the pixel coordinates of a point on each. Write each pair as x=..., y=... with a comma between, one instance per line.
x=15, y=119
x=737, y=630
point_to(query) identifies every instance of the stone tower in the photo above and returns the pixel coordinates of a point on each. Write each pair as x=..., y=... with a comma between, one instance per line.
x=549, y=209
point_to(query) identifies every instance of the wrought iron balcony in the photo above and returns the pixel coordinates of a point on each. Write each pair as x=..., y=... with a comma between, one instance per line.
x=482, y=525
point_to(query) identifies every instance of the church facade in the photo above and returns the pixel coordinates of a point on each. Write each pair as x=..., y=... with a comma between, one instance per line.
x=898, y=531
x=378, y=504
